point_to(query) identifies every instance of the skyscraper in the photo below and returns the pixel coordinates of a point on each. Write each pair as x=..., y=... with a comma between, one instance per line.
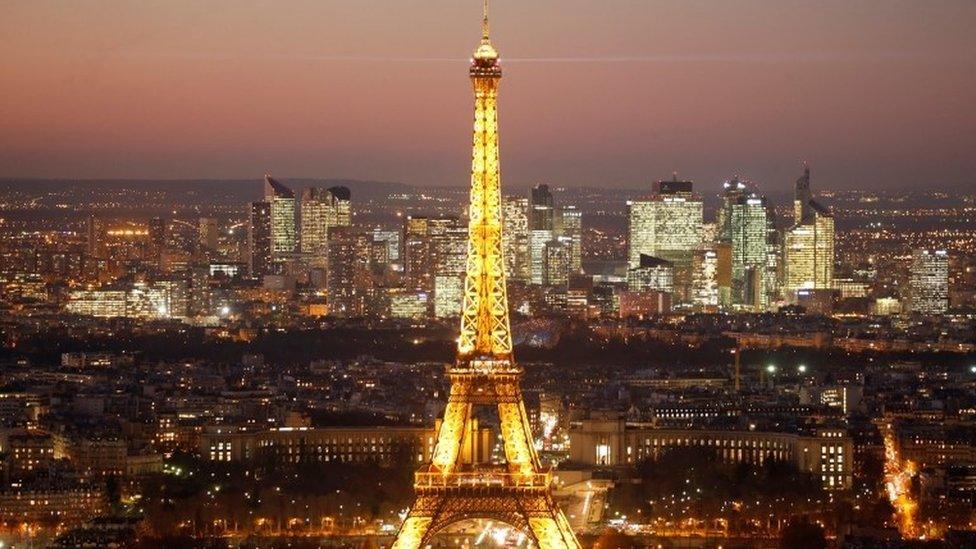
x=322, y=209
x=538, y=238
x=541, y=230
x=928, y=282
x=515, y=237
x=733, y=191
x=209, y=235
x=557, y=262
x=749, y=221
x=315, y=213
x=283, y=234
x=259, y=238
x=705, y=288
x=348, y=277
x=570, y=227
x=158, y=235
x=341, y=206
x=450, y=252
x=391, y=238
x=541, y=212
x=419, y=233
x=668, y=225
x=808, y=246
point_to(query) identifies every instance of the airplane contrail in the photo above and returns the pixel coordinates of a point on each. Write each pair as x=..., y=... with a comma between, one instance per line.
x=726, y=57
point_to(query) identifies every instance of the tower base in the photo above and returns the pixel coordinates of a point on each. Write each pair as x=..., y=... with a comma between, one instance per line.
x=531, y=511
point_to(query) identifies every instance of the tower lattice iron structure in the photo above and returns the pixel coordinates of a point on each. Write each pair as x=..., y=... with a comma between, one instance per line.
x=454, y=486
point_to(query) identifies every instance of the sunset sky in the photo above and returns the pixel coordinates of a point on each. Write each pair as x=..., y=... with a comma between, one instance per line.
x=616, y=93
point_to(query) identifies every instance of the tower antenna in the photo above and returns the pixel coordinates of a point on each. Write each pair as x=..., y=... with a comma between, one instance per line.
x=484, y=22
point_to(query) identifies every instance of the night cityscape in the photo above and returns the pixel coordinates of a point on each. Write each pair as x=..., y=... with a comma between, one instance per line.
x=768, y=347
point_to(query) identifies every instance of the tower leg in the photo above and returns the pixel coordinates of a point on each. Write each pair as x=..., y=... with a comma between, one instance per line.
x=451, y=435
x=551, y=536
x=548, y=524
x=412, y=533
x=514, y=425
x=416, y=529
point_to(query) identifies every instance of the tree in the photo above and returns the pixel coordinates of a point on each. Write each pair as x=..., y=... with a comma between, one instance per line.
x=614, y=539
x=803, y=534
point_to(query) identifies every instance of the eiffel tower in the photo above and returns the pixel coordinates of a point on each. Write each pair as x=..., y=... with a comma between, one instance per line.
x=450, y=488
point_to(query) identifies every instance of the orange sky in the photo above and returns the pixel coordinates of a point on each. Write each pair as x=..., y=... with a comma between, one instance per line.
x=601, y=92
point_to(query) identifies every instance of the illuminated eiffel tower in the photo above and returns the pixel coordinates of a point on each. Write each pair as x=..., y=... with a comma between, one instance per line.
x=450, y=489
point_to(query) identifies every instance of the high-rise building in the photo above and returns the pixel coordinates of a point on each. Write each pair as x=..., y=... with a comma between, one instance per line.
x=450, y=254
x=541, y=208
x=557, y=261
x=341, y=206
x=259, y=238
x=808, y=246
x=570, y=227
x=774, y=264
x=803, y=210
x=541, y=230
x=95, y=236
x=316, y=209
x=733, y=192
x=173, y=297
x=198, y=298
x=209, y=235
x=419, y=233
x=928, y=282
x=651, y=274
x=391, y=239
x=749, y=221
x=416, y=252
x=538, y=238
x=157, y=238
x=348, y=280
x=668, y=225
x=545, y=224
x=515, y=238
x=283, y=234
x=322, y=209
x=705, y=288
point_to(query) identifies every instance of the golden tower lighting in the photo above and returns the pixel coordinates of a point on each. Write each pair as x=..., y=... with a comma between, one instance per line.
x=453, y=486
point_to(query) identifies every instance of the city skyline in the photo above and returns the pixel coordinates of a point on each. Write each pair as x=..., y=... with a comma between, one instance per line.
x=871, y=98
x=332, y=362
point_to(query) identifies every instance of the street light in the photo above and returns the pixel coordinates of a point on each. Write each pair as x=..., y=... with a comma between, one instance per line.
x=769, y=371
x=802, y=368
x=972, y=369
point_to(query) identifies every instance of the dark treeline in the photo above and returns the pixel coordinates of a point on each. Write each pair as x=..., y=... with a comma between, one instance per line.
x=578, y=345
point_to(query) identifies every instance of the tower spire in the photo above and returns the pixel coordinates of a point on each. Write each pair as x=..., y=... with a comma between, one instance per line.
x=484, y=23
